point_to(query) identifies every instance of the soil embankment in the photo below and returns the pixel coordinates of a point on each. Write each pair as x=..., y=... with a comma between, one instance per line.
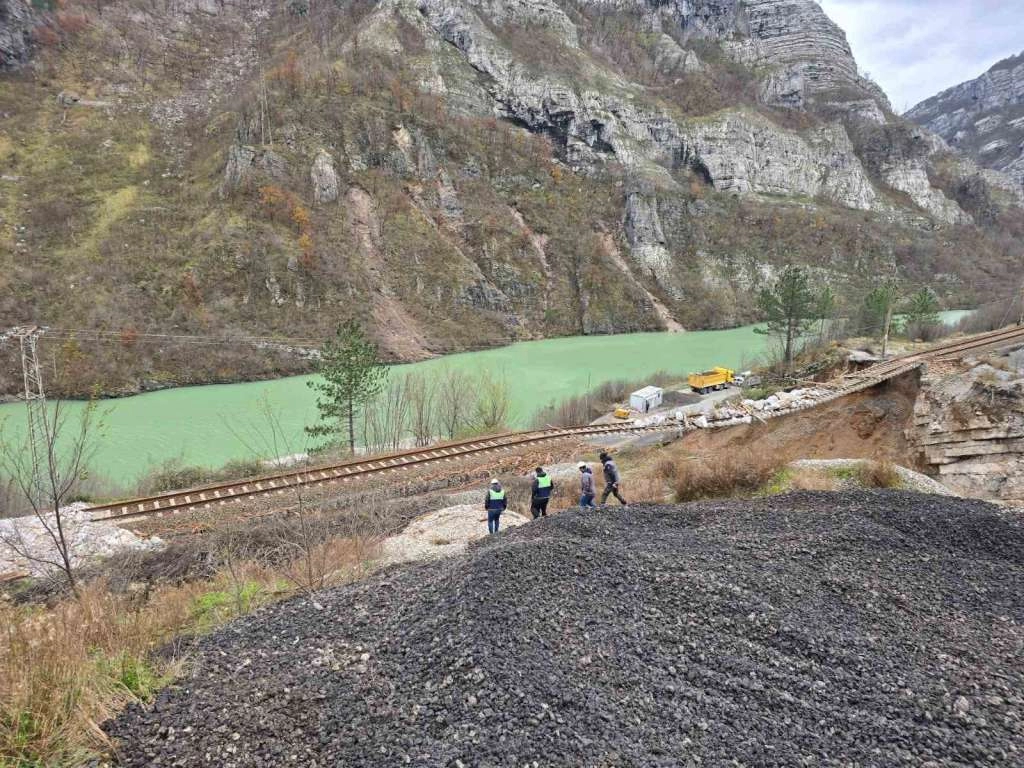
x=867, y=425
x=813, y=628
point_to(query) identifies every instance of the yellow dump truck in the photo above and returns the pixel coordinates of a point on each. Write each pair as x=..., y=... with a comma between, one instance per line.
x=716, y=378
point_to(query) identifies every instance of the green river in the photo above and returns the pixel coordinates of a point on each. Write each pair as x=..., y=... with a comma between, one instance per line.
x=211, y=425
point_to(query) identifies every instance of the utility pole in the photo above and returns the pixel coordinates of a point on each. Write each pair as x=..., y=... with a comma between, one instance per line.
x=35, y=402
x=1020, y=320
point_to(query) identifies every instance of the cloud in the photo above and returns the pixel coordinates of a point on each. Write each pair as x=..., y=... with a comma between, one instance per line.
x=916, y=48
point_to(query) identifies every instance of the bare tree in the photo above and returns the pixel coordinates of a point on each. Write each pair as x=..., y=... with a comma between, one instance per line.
x=47, y=477
x=454, y=391
x=304, y=529
x=396, y=407
x=372, y=427
x=421, y=391
x=493, y=403
x=386, y=418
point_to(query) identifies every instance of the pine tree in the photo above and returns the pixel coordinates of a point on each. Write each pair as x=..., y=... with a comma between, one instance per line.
x=922, y=312
x=789, y=308
x=351, y=375
x=880, y=303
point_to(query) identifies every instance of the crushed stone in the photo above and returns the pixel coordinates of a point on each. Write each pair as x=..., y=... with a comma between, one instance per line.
x=829, y=629
x=88, y=541
x=442, y=533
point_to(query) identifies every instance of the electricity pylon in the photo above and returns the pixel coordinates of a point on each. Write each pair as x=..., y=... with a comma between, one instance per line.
x=35, y=402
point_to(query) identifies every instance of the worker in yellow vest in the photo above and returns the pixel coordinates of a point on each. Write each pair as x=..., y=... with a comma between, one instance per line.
x=495, y=503
x=540, y=495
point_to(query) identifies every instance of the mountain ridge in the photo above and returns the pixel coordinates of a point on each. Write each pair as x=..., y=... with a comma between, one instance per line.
x=983, y=117
x=457, y=174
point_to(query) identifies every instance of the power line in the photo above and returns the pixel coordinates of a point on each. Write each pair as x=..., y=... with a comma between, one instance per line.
x=128, y=337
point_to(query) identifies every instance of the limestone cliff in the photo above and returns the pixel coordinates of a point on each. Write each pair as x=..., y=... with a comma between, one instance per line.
x=984, y=118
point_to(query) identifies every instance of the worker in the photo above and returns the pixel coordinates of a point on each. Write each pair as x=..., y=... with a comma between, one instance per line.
x=587, y=488
x=611, y=480
x=543, y=487
x=495, y=503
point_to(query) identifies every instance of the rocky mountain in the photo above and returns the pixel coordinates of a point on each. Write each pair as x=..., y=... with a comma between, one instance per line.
x=17, y=22
x=455, y=173
x=983, y=118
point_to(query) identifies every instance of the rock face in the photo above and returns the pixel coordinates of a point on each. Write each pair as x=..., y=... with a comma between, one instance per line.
x=969, y=429
x=747, y=153
x=644, y=233
x=911, y=177
x=17, y=19
x=245, y=163
x=984, y=117
x=324, y=178
x=807, y=60
x=806, y=53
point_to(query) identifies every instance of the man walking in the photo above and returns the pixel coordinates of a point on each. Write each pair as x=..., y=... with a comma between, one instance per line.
x=495, y=503
x=541, y=494
x=611, y=480
x=587, y=488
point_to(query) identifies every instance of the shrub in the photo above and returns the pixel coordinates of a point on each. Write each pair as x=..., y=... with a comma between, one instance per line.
x=725, y=474
x=173, y=475
x=879, y=474
x=991, y=317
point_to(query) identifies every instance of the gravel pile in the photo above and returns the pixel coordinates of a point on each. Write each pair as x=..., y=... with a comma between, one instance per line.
x=826, y=629
x=442, y=533
x=26, y=544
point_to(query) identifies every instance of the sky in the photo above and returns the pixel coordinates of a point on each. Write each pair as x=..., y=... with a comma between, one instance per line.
x=916, y=48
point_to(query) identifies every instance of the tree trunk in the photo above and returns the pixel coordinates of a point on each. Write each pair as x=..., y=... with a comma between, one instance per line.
x=789, y=346
x=351, y=426
x=888, y=324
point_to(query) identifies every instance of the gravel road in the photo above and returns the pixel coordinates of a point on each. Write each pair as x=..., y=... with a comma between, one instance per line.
x=862, y=628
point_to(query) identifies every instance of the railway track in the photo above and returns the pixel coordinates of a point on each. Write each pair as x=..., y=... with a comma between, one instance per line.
x=210, y=496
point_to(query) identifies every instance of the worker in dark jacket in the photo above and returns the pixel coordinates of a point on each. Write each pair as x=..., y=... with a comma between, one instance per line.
x=611, y=480
x=495, y=503
x=543, y=487
x=587, y=488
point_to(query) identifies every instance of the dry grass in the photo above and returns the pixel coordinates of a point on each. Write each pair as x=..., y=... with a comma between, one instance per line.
x=805, y=479
x=729, y=473
x=879, y=474
x=67, y=668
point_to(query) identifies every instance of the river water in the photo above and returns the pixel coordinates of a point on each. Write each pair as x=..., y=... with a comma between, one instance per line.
x=210, y=425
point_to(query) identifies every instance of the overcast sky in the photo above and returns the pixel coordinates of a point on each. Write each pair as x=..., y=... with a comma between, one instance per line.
x=916, y=48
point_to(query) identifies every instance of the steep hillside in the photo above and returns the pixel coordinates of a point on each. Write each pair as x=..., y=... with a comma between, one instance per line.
x=456, y=173
x=984, y=118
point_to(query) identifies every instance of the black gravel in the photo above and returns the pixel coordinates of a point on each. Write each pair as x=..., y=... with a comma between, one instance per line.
x=813, y=629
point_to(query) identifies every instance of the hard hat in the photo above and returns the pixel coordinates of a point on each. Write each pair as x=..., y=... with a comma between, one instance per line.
x=495, y=482
x=581, y=465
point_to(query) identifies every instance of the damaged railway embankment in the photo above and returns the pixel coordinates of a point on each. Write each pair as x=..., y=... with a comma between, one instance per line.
x=867, y=628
